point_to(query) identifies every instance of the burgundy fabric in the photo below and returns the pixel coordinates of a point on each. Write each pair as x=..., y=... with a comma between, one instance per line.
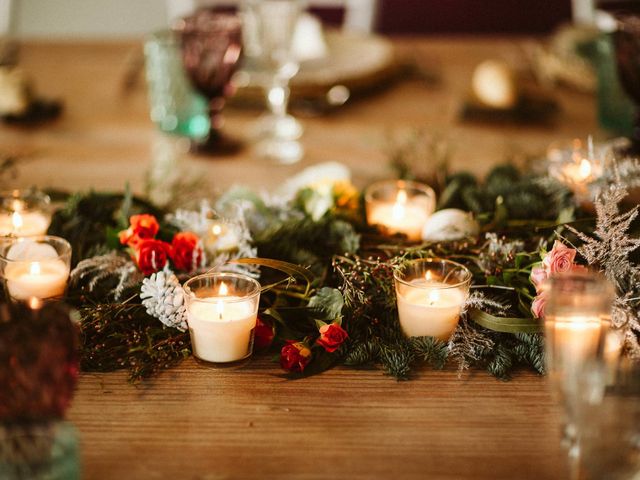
x=471, y=16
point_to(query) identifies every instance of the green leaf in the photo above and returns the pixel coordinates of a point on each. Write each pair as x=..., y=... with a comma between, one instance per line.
x=320, y=324
x=329, y=301
x=504, y=324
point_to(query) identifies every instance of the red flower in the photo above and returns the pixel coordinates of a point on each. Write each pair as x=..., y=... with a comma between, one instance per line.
x=185, y=252
x=151, y=255
x=295, y=356
x=141, y=227
x=263, y=334
x=332, y=336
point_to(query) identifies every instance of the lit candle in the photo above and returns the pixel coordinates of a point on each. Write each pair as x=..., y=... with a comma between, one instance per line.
x=430, y=304
x=400, y=207
x=576, y=338
x=36, y=267
x=221, y=322
x=45, y=279
x=24, y=214
x=23, y=223
x=576, y=166
x=221, y=238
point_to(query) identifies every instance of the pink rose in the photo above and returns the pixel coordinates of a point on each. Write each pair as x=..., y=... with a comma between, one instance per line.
x=538, y=304
x=538, y=276
x=559, y=259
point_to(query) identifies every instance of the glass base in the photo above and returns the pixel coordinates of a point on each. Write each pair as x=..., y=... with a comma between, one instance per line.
x=285, y=152
x=281, y=128
x=216, y=144
x=223, y=365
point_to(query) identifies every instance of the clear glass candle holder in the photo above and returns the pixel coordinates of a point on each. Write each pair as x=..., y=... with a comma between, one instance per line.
x=577, y=318
x=399, y=207
x=430, y=294
x=35, y=267
x=578, y=163
x=221, y=313
x=24, y=213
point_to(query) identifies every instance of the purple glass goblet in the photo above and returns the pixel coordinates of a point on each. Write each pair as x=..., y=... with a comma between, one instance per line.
x=211, y=48
x=627, y=41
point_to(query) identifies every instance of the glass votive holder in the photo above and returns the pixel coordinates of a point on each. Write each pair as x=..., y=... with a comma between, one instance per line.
x=221, y=313
x=430, y=293
x=577, y=163
x=24, y=213
x=35, y=267
x=399, y=206
x=577, y=317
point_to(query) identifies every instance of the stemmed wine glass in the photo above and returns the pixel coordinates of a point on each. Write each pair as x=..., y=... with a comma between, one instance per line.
x=269, y=27
x=211, y=48
x=627, y=42
x=577, y=314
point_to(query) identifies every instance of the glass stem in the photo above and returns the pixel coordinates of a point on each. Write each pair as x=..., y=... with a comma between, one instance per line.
x=278, y=98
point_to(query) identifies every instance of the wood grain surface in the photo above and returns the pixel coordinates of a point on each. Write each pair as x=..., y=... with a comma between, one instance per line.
x=199, y=423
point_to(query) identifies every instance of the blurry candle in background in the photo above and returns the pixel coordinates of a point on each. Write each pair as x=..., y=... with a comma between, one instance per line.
x=36, y=267
x=24, y=213
x=399, y=207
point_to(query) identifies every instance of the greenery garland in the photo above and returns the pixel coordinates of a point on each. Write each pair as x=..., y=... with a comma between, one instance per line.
x=348, y=273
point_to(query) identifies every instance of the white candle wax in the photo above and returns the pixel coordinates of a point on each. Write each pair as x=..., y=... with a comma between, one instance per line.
x=39, y=279
x=430, y=309
x=576, y=338
x=401, y=216
x=23, y=224
x=221, y=327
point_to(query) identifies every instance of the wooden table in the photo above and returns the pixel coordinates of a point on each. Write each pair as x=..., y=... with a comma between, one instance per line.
x=198, y=423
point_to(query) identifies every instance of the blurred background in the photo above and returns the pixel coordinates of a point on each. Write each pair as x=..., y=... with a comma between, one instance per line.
x=117, y=18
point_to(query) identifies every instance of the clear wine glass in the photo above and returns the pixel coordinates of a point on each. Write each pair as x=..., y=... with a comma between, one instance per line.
x=609, y=420
x=269, y=27
x=576, y=319
x=211, y=48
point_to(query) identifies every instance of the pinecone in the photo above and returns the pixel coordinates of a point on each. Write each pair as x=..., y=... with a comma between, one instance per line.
x=163, y=296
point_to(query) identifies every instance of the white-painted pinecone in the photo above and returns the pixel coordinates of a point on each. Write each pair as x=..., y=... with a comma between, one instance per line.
x=163, y=296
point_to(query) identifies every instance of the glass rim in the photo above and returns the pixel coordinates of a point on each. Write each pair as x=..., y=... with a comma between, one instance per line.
x=400, y=185
x=582, y=275
x=255, y=291
x=467, y=272
x=48, y=239
x=215, y=22
x=25, y=194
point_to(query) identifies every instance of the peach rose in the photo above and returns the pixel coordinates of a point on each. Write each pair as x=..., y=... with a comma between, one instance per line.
x=538, y=304
x=559, y=259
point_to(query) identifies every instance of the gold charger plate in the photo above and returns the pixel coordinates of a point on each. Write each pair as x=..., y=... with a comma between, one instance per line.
x=356, y=61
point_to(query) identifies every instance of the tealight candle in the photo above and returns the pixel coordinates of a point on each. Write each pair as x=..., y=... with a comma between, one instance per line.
x=221, y=313
x=577, y=307
x=24, y=213
x=400, y=207
x=430, y=295
x=221, y=237
x=35, y=267
x=577, y=166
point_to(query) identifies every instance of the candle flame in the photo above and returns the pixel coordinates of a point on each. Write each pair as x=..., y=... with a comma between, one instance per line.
x=16, y=220
x=398, y=207
x=428, y=276
x=216, y=229
x=585, y=168
x=223, y=290
x=34, y=268
x=35, y=303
